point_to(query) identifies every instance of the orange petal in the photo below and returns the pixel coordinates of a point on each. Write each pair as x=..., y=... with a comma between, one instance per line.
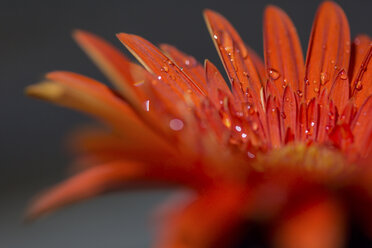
x=215, y=81
x=283, y=53
x=87, y=95
x=319, y=223
x=220, y=220
x=239, y=65
x=85, y=185
x=191, y=67
x=302, y=122
x=273, y=123
x=312, y=119
x=289, y=109
x=362, y=126
x=329, y=49
x=160, y=65
x=340, y=91
x=359, y=48
x=112, y=63
x=362, y=82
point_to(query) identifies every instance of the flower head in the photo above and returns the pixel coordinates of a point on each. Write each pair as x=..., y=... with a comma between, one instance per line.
x=286, y=142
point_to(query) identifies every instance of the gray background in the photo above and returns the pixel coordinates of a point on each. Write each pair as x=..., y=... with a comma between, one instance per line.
x=34, y=39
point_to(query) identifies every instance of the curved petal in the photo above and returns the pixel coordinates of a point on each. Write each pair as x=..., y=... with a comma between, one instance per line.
x=283, y=53
x=160, y=65
x=112, y=63
x=234, y=54
x=85, y=185
x=329, y=49
x=362, y=82
x=87, y=95
x=359, y=48
x=189, y=64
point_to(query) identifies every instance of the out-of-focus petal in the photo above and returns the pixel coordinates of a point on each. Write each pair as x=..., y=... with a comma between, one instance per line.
x=112, y=63
x=207, y=221
x=317, y=223
x=85, y=185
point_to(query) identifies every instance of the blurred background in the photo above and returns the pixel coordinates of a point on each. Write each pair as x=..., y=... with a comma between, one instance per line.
x=35, y=38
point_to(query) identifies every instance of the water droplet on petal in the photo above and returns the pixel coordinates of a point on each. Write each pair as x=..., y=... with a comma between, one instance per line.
x=251, y=155
x=323, y=78
x=215, y=37
x=299, y=93
x=238, y=128
x=316, y=90
x=146, y=105
x=359, y=85
x=159, y=77
x=165, y=68
x=343, y=74
x=176, y=124
x=274, y=74
x=254, y=126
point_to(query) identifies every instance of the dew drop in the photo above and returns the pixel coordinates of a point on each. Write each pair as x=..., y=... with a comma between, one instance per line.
x=343, y=74
x=359, y=85
x=255, y=126
x=215, y=37
x=323, y=78
x=251, y=155
x=176, y=124
x=146, y=105
x=287, y=99
x=159, y=77
x=274, y=74
x=244, y=135
x=316, y=90
x=238, y=128
x=165, y=68
x=299, y=93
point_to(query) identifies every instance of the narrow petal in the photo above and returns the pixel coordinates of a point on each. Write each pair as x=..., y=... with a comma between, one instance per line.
x=329, y=49
x=273, y=123
x=362, y=126
x=215, y=82
x=283, y=53
x=112, y=63
x=312, y=119
x=160, y=65
x=189, y=64
x=87, y=184
x=239, y=65
x=359, y=48
x=84, y=94
x=302, y=122
x=363, y=78
x=319, y=223
x=340, y=91
x=289, y=109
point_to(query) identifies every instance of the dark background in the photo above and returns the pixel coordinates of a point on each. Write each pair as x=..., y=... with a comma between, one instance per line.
x=34, y=39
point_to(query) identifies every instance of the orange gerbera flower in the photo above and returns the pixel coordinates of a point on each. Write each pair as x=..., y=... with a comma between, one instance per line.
x=284, y=143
